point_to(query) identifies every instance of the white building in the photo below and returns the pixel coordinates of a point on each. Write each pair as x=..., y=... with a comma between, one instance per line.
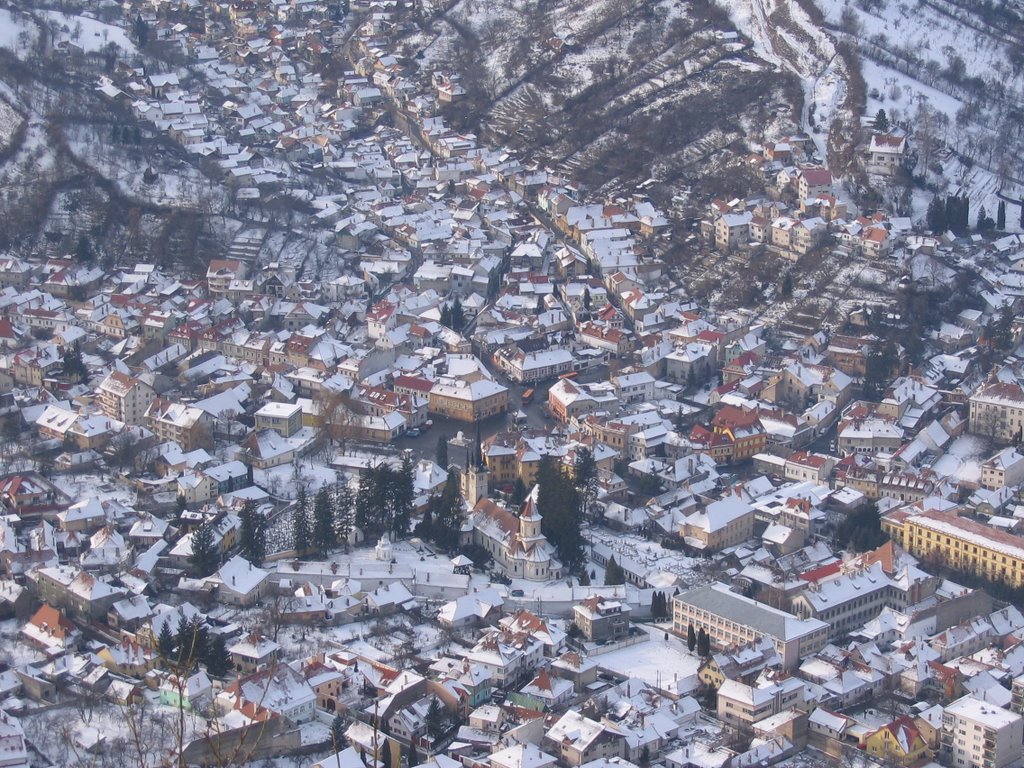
x=514, y=541
x=976, y=733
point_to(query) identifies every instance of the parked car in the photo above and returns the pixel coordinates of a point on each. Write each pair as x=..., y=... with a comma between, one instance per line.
x=414, y=432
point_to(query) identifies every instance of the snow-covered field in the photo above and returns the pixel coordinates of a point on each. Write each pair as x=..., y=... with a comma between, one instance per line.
x=90, y=35
x=17, y=32
x=657, y=662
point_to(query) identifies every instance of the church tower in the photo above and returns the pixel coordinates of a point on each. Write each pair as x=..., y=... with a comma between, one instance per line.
x=474, y=476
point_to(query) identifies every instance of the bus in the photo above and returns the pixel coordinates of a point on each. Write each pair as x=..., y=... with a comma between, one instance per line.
x=527, y=396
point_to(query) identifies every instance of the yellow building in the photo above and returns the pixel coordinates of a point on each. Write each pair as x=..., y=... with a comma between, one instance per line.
x=899, y=743
x=959, y=543
x=469, y=401
x=129, y=658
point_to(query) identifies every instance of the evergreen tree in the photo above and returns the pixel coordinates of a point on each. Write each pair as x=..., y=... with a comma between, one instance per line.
x=984, y=222
x=703, y=643
x=324, y=537
x=613, y=574
x=385, y=754
x=441, y=452
x=585, y=475
x=645, y=757
x=787, y=285
x=204, y=558
x=458, y=315
x=141, y=29
x=83, y=251
x=73, y=364
x=181, y=506
x=367, y=500
x=584, y=578
x=403, y=497
x=300, y=523
x=1001, y=216
x=343, y=513
x=216, y=658
x=436, y=719
x=446, y=316
x=559, y=506
x=338, y=733
x=192, y=642
x=414, y=758
x=425, y=527
x=165, y=642
x=448, y=514
x=881, y=121
x=691, y=638
x=1021, y=221
x=253, y=534
x=518, y=492
x=586, y=298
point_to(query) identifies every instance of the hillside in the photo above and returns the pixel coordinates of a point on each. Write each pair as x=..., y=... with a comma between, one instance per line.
x=614, y=93
x=951, y=72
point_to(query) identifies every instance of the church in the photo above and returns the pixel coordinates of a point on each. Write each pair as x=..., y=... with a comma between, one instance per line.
x=514, y=541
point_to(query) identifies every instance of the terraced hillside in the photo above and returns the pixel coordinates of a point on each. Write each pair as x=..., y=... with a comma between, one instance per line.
x=613, y=92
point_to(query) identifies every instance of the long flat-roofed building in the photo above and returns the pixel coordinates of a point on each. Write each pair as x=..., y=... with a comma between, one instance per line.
x=731, y=619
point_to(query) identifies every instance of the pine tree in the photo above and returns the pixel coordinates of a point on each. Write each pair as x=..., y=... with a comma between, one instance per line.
x=343, y=513
x=402, y=497
x=585, y=475
x=703, y=643
x=441, y=452
x=645, y=757
x=558, y=503
x=787, y=285
x=1001, y=216
x=300, y=523
x=436, y=720
x=204, y=558
x=445, y=513
x=586, y=298
x=385, y=754
x=414, y=758
x=458, y=315
x=1021, y=222
x=584, y=578
x=83, y=251
x=613, y=574
x=518, y=492
x=217, y=659
x=338, y=733
x=253, y=533
x=73, y=364
x=446, y=316
x=324, y=539
x=881, y=121
x=192, y=642
x=368, y=500
x=165, y=642
x=691, y=638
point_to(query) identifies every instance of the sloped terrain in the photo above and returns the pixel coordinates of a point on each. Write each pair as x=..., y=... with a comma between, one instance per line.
x=614, y=93
x=952, y=73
